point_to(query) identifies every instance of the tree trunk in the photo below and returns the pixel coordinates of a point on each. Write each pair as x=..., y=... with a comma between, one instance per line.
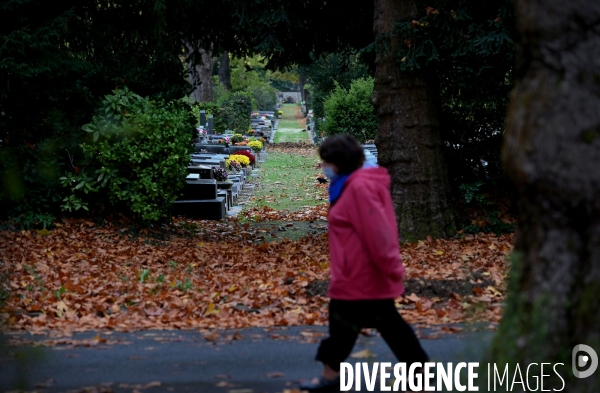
x=193, y=76
x=408, y=137
x=200, y=76
x=224, y=71
x=552, y=153
x=205, y=73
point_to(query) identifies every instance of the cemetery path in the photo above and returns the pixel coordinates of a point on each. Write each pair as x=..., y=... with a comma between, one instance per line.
x=244, y=361
x=291, y=126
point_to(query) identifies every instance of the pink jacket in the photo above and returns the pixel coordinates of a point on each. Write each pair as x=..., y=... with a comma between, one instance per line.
x=363, y=240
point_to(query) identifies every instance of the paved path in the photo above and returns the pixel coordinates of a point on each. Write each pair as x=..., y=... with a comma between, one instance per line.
x=258, y=360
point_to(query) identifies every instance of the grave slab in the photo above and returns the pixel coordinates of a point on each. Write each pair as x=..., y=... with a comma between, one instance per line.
x=209, y=209
x=204, y=171
x=200, y=189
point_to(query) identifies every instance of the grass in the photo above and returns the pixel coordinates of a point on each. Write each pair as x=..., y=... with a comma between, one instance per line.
x=290, y=128
x=287, y=123
x=290, y=135
x=288, y=181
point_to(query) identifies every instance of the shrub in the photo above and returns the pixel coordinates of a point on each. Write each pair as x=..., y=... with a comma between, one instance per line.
x=242, y=159
x=234, y=111
x=264, y=96
x=351, y=111
x=237, y=138
x=247, y=154
x=136, y=158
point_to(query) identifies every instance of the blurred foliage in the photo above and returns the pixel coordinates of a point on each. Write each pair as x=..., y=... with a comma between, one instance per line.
x=249, y=75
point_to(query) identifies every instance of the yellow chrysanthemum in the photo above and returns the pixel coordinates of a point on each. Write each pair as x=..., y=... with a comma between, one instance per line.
x=243, y=160
x=256, y=146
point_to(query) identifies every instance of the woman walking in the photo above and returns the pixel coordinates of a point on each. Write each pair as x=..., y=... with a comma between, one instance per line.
x=366, y=271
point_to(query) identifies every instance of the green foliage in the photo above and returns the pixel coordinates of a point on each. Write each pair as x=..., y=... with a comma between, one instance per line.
x=237, y=138
x=350, y=111
x=264, y=96
x=249, y=75
x=473, y=193
x=476, y=198
x=30, y=219
x=468, y=48
x=328, y=70
x=57, y=61
x=235, y=112
x=211, y=108
x=136, y=159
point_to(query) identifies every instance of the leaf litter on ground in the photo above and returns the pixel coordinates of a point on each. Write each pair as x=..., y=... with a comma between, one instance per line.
x=209, y=276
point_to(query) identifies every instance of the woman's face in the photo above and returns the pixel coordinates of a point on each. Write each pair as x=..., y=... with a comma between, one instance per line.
x=330, y=169
x=329, y=164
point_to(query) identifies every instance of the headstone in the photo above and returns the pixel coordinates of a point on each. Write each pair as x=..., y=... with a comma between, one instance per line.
x=203, y=118
x=223, y=194
x=204, y=171
x=210, y=131
x=217, y=149
x=199, y=189
x=209, y=209
x=234, y=149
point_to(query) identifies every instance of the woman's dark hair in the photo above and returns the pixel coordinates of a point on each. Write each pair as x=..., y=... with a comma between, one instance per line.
x=343, y=151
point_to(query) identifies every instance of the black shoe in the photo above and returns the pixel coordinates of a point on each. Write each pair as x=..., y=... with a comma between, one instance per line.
x=322, y=386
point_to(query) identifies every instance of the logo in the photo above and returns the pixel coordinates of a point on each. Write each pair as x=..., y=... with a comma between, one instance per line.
x=584, y=356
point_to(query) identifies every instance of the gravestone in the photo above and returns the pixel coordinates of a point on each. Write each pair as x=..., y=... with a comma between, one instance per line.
x=211, y=130
x=216, y=149
x=208, y=209
x=234, y=149
x=199, y=189
x=223, y=194
x=208, y=162
x=204, y=171
x=203, y=118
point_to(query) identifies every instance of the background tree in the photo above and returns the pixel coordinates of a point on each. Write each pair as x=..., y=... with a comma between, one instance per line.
x=467, y=48
x=224, y=71
x=329, y=69
x=408, y=138
x=201, y=77
x=551, y=153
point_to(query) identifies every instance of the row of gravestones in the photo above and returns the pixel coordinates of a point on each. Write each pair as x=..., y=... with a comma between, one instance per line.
x=203, y=197
x=370, y=153
x=258, y=125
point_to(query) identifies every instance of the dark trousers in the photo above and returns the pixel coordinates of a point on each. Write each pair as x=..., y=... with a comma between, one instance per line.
x=348, y=317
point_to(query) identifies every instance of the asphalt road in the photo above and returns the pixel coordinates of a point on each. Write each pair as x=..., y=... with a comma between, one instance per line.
x=244, y=361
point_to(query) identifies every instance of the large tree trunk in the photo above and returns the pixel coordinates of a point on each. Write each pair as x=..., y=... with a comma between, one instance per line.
x=408, y=137
x=200, y=76
x=224, y=71
x=205, y=71
x=552, y=153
